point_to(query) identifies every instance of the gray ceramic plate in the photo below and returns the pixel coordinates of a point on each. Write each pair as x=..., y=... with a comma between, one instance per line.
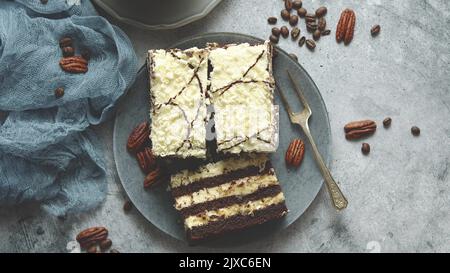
x=157, y=14
x=300, y=186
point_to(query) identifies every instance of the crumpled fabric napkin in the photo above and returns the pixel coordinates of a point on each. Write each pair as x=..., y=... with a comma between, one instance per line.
x=48, y=154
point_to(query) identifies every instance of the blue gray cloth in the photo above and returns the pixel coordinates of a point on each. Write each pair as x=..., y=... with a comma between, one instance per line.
x=48, y=154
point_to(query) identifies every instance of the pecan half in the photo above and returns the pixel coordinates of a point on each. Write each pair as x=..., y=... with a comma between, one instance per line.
x=295, y=153
x=358, y=129
x=154, y=177
x=346, y=26
x=146, y=159
x=91, y=236
x=138, y=137
x=74, y=64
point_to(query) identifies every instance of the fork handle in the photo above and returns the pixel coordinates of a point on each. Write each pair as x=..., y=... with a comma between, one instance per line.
x=338, y=198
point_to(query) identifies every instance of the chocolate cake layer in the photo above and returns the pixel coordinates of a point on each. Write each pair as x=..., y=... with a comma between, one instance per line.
x=237, y=222
x=271, y=190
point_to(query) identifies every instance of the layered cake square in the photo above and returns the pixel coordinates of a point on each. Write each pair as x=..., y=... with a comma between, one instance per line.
x=241, y=91
x=178, y=83
x=229, y=195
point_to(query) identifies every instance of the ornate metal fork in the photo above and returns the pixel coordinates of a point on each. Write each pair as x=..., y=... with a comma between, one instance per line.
x=302, y=118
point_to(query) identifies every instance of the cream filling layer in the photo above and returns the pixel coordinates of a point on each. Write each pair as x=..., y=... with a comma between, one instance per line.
x=242, y=209
x=187, y=177
x=239, y=187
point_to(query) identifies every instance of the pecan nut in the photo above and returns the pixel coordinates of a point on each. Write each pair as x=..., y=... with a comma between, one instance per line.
x=358, y=129
x=138, y=137
x=295, y=153
x=74, y=64
x=346, y=26
x=154, y=177
x=91, y=236
x=146, y=159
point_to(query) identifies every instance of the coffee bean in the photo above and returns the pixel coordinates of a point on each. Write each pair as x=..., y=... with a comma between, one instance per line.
x=274, y=53
x=66, y=41
x=415, y=130
x=288, y=4
x=274, y=39
x=322, y=24
x=316, y=35
x=284, y=31
x=293, y=56
x=272, y=20
x=302, y=41
x=127, y=206
x=297, y=4
x=301, y=12
x=92, y=249
x=310, y=44
x=68, y=51
x=44, y=2
x=321, y=11
x=326, y=32
x=311, y=27
x=59, y=92
x=387, y=122
x=86, y=54
x=375, y=30
x=293, y=20
x=295, y=32
x=285, y=14
x=276, y=31
x=105, y=244
x=310, y=20
x=365, y=148
x=310, y=16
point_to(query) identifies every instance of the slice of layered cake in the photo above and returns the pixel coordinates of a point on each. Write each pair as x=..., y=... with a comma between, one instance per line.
x=228, y=195
x=241, y=91
x=178, y=82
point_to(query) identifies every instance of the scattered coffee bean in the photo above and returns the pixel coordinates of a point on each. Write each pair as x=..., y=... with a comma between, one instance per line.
x=321, y=11
x=310, y=20
x=365, y=148
x=285, y=14
x=274, y=53
x=302, y=41
x=114, y=251
x=66, y=41
x=295, y=32
x=59, y=92
x=68, y=51
x=326, y=32
x=316, y=35
x=86, y=54
x=274, y=39
x=40, y=230
x=127, y=206
x=272, y=20
x=92, y=249
x=415, y=130
x=105, y=244
x=296, y=4
x=310, y=44
x=310, y=16
x=322, y=24
x=284, y=31
x=44, y=2
x=288, y=4
x=293, y=20
x=311, y=27
x=387, y=122
x=276, y=31
x=293, y=56
x=375, y=30
x=302, y=12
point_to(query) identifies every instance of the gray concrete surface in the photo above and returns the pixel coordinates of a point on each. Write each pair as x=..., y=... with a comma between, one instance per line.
x=398, y=195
